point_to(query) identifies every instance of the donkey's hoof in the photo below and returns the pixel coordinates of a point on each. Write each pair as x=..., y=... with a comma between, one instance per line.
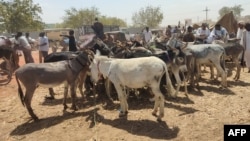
x=123, y=114
x=159, y=120
x=50, y=97
x=73, y=107
x=223, y=88
x=65, y=107
x=154, y=114
x=35, y=118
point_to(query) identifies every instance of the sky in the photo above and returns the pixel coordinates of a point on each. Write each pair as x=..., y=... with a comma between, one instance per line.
x=173, y=10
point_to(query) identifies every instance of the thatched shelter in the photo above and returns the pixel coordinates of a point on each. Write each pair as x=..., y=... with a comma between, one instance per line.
x=229, y=22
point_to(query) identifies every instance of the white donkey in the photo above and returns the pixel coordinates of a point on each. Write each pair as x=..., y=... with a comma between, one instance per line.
x=134, y=73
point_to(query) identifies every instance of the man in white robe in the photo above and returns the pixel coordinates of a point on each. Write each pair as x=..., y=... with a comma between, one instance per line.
x=240, y=31
x=147, y=35
x=245, y=41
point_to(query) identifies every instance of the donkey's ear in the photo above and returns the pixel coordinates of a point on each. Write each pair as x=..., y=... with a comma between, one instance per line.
x=91, y=58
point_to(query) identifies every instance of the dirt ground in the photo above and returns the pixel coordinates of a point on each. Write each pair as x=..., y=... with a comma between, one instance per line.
x=199, y=118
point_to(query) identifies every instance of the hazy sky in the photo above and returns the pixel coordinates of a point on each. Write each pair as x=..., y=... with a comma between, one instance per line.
x=173, y=10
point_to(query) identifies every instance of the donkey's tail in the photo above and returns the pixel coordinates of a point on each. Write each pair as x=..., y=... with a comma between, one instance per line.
x=170, y=87
x=20, y=91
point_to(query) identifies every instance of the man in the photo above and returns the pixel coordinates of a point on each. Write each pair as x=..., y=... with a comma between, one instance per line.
x=30, y=40
x=24, y=45
x=168, y=32
x=147, y=35
x=189, y=36
x=43, y=46
x=218, y=33
x=245, y=41
x=72, y=40
x=202, y=33
x=98, y=29
x=240, y=30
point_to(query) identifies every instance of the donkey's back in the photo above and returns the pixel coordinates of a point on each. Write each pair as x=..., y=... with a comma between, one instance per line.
x=45, y=74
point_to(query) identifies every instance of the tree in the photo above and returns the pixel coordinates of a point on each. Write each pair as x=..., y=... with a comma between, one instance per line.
x=237, y=9
x=113, y=21
x=20, y=15
x=149, y=16
x=76, y=18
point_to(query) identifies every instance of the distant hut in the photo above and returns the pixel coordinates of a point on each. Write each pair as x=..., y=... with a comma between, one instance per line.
x=229, y=22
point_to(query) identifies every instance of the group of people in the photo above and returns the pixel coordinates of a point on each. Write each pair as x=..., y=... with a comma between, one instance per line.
x=204, y=35
x=23, y=43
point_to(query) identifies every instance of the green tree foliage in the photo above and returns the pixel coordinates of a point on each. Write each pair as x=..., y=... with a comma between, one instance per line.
x=112, y=21
x=149, y=16
x=75, y=18
x=237, y=9
x=20, y=15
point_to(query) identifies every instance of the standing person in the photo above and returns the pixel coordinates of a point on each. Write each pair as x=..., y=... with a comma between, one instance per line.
x=25, y=47
x=202, y=33
x=72, y=40
x=43, y=46
x=30, y=40
x=245, y=41
x=218, y=33
x=168, y=32
x=147, y=35
x=189, y=35
x=98, y=29
x=240, y=30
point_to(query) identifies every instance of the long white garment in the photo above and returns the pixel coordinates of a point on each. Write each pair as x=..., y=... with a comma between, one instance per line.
x=43, y=40
x=147, y=35
x=247, y=51
x=239, y=33
x=218, y=33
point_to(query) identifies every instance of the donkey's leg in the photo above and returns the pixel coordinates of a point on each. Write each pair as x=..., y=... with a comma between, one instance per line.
x=65, y=96
x=126, y=95
x=51, y=93
x=159, y=102
x=27, y=100
x=88, y=85
x=238, y=68
x=80, y=82
x=178, y=80
x=223, y=74
x=108, y=88
x=122, y=99
x=212, y=72
x=73, y=96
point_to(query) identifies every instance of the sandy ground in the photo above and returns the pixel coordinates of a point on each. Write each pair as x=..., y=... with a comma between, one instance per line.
x=199, y=118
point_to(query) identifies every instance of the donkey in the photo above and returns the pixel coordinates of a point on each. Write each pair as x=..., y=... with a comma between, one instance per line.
x=134, y=73
x=49, y=75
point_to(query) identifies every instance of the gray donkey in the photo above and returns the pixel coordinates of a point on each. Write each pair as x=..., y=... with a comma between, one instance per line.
x=49, y=75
